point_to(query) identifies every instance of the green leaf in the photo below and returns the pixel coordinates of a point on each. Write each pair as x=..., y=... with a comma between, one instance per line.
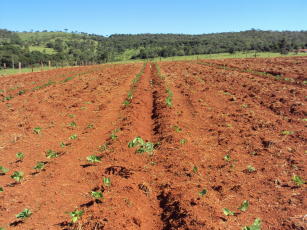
x=97, y=194
x=20, y=155
x=203, y=192
x=72, y=124
x=17, y=175
x=39, y=166
x=1, y=189
x=183, y=141
x=195, y=169
x=24, y=214
x=3, y=169
x=76, y=215
x=250, y=168
x=51, y=154
x=227, y=158
x=93, y=159
x=298, y=180
x=73, y=137
x=255, y=226
x=244, y=206
x=287, y=132
x=107, y=181
x=227, y=212
x=37, y=130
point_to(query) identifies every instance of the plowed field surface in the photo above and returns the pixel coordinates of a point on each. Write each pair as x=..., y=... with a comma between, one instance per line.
x=179, y=145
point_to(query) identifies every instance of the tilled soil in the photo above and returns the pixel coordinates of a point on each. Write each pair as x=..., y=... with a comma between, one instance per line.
x=221, y=136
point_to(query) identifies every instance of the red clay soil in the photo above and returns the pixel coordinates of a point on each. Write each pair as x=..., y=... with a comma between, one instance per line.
x=186, y=181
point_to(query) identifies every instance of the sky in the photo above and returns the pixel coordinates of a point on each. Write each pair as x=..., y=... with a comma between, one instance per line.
x=106, y=17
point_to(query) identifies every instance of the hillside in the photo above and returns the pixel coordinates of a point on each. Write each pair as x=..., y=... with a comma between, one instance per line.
x=69, y=48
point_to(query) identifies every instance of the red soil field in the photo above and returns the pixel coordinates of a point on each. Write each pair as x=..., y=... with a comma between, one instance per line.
x=214, y=135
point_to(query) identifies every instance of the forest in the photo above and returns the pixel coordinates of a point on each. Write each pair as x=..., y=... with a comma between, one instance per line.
x=71, y=48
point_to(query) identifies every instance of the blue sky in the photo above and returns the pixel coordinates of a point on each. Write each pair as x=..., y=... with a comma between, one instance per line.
x=159, y=16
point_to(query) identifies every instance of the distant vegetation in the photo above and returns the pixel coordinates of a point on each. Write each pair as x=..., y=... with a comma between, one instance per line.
x=72, y=48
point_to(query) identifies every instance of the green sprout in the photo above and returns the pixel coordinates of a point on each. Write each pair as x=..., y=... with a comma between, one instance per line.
x=51, y=154
x=39, y=165
x=93, y=159
x=20, y=155
x=287, y=132
x=250, y=169
x=4, y=170
x=227, y=157
x=203, y=192
x=183, y=141
x=142, y=145
x=37, y=130
x=62, y=144
x=17, y=175
x=103, y=147
x=72, y=124
x=24, y=214
x=71, y=115
x=298, y=180
x=76, y=215
x=244, y=206
x=195, y=169
x=255, y=226
x=96, y=194
x=90, y=126
x=107, y=181
x=21, y=92
x=73, y=137
x=177, y=128
x=126, y=102
x=227, y=212
x=1, y=189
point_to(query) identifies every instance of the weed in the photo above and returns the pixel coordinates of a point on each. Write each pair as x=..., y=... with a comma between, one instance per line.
x=76, y=215
x=51, y=154
x=96, y=194
x=255, y=226
x=93, y=159
x=37, y=130
x=24, y=214
x=244, y=206
x=72, y=124
x=73, y=137
x=17, y=175
x=3, y=169
x=39, y=166
x=298, y=180
x=227, y=212
x=183, y=141
x=250, y=169
x=203, y=192
x=20, y=155
x=287, y=132
x=142, y=145
x=107, y=181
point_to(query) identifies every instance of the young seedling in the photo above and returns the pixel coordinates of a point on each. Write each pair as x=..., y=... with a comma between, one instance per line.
x=195, y=169
x=71, y=115
x=107, y=181
x=287, y=132
x=255, y=226
x=298, y=180
x=17, y=175
x=142, y=145
x=244, y=206
x=183, y=141
x=93, y=159
x=73, y=137
x=24, y=214
x=103, y=147
x=1, y=189
x=227, y=157
x=3, y=170
x=39, y=166
x=250, y=169
x=227, y=212
x=62, y=144
x=37, y=130
x=51, y=154
x=72, y=124
x=76, y=215
x=97, y=194
x=126, y=102
x=177, y=128
x=20, y=156
x=90, y=126
x=203, y=192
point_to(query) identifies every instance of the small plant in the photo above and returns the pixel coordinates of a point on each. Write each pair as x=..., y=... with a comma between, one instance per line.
x=90, y=126
x=287, y=132
x=177, y=129
x=3, y=170
x=39, y=166
x=93, y=159
x=142, y=145
x=183, y=141
x=1, y=189
x=37, y=130
x=227, y=212
x=96, y=194
x=103, y=147
x=255, y=226
x=17, y=175
x=126, y=102
x=7, y=98
x=169, y=98
x=113, y=136
x=203, y=192
x=76, y=215
x=73, y=137
x=20, y=155
x=24, y=214
x=71, y=115
x=62, y=144
x=51, y=154
x=250, y=169
x=195, y=169
x=107, y=181
x=298, y=180
x=21, y=92
x=244, y=206
x=227, y=157
x=72, y=124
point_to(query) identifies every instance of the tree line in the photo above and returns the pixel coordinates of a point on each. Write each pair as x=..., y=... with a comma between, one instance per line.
x=72, y=48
